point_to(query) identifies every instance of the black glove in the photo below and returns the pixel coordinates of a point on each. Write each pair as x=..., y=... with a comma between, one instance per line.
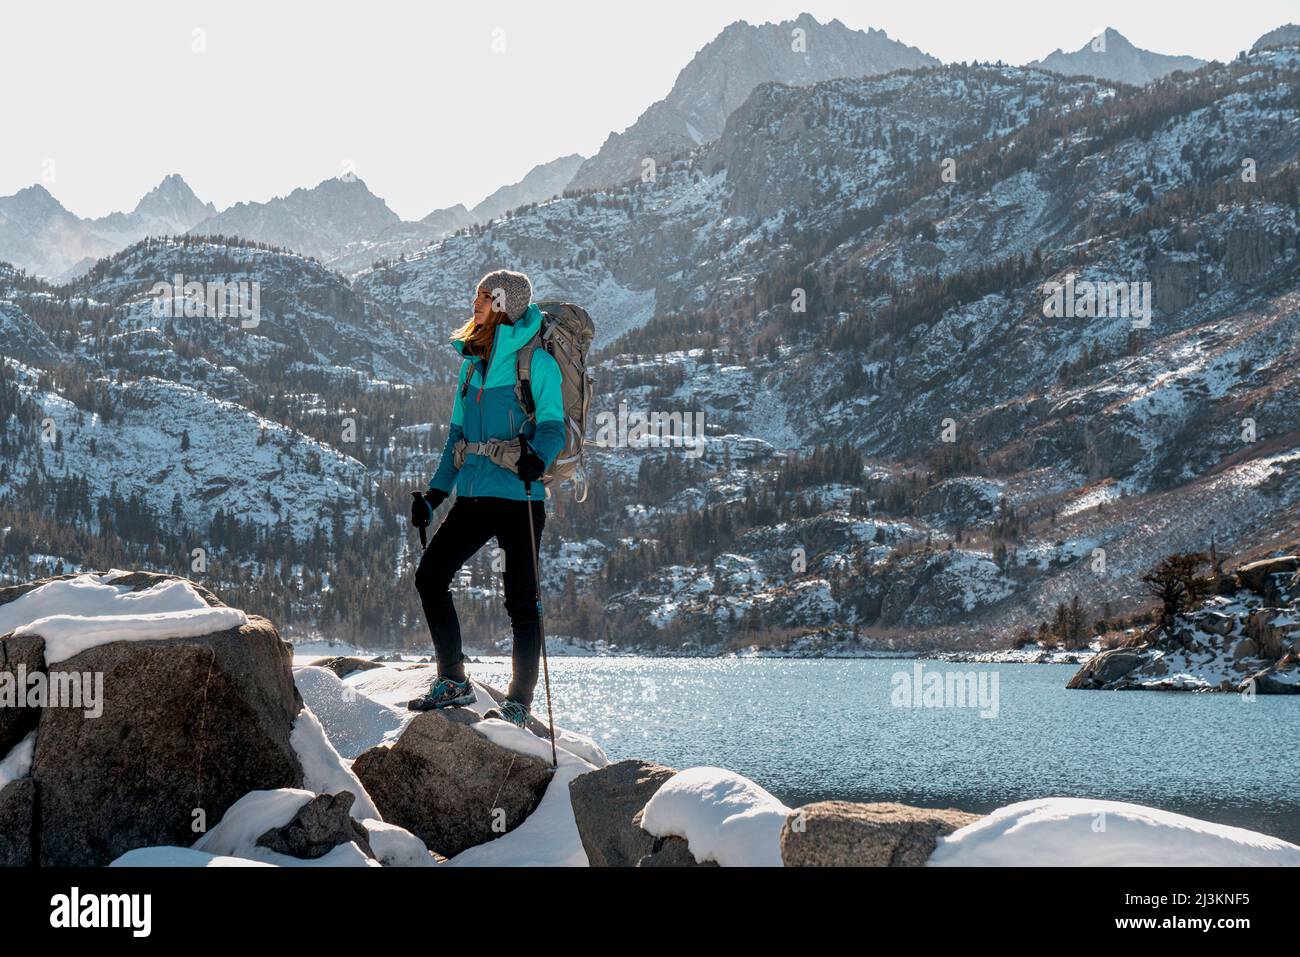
x=530, y=466
x=422, y=506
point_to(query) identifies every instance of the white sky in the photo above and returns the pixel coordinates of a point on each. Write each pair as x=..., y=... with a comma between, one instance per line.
x=412, y=93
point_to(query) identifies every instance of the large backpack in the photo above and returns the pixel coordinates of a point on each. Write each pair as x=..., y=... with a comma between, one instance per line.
x=566, y=335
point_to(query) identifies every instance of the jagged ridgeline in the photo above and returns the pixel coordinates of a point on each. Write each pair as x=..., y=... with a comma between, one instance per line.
x=845, y=288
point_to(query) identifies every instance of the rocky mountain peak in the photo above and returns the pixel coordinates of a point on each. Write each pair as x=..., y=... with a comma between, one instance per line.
x=1112, y=56
x=172, y=199
x=721, y=76
x=318, y=221
x=541, y=183
x=32, y=203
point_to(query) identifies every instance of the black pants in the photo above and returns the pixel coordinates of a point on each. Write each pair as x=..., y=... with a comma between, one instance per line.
x=466, y=529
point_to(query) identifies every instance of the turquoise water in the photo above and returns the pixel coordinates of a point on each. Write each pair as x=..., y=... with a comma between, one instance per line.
x=817, y=729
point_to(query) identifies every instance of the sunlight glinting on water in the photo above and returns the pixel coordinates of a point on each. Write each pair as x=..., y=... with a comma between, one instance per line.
x=820, y=729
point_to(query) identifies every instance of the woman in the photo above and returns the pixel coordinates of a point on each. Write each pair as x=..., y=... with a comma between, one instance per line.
x=490, y=491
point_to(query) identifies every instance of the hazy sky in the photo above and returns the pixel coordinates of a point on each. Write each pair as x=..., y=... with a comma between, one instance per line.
x=102, y=100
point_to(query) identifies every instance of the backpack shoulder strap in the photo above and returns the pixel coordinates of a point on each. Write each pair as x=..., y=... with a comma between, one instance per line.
x=524, y=375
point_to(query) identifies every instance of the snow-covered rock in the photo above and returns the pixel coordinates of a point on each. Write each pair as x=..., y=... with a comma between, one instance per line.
x=1080, y=832
x=722, y=816
x=447, y=782
x=181, y=702
x=607, y=808
x=1245, y=640
x=259, y=812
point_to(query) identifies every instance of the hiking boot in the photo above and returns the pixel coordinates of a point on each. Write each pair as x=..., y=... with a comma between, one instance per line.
x=445, y=693
x=511, y=711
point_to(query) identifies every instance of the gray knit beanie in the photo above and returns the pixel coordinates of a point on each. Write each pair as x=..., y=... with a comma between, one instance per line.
x=516, y=291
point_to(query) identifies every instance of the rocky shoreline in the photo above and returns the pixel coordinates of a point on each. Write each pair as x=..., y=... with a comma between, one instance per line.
x=1245, y=639
x=208, y=748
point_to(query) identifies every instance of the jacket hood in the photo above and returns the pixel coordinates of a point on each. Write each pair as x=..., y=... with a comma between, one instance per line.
x=510, y=337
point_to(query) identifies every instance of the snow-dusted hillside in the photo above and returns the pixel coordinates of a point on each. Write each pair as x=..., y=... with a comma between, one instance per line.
x=188, y=456
x=308, y=317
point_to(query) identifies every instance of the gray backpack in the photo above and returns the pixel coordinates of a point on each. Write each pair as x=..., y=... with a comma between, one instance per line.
x=566, y=336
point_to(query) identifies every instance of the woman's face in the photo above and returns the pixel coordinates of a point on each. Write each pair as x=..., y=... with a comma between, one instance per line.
x=482, y=305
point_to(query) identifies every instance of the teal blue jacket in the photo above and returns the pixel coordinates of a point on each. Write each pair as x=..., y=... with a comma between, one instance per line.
x=490, y=410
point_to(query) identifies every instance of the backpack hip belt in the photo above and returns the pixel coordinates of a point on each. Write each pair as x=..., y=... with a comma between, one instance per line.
x=503, y=452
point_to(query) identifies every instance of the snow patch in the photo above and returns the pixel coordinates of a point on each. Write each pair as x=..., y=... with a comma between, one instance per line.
x=181, y=857
x=396, y=846
x=17, y=764
x=323, y=770
x=353, y=722
x=77, y=614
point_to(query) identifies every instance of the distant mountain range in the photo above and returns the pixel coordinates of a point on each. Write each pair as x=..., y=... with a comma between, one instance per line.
x=318, y=222
x=169, y=207
x=40, y=236
x=344, y=225
x=1110, y=56
x=339, y=221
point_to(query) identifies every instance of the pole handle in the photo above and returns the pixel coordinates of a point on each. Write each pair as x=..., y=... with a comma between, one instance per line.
x=423, y=541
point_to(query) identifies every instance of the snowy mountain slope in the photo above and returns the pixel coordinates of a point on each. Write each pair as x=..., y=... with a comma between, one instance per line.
x=1059, y=208
x=721, y=76
x=542, y=182
x=187, y=455
x=651, y=248
x=23, y=339
x=1110, y=56
x=308, y=315
x=398, y=240
x=555, y=243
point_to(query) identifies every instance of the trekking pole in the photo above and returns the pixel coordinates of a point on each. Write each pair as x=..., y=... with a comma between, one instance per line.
x=541, y=628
